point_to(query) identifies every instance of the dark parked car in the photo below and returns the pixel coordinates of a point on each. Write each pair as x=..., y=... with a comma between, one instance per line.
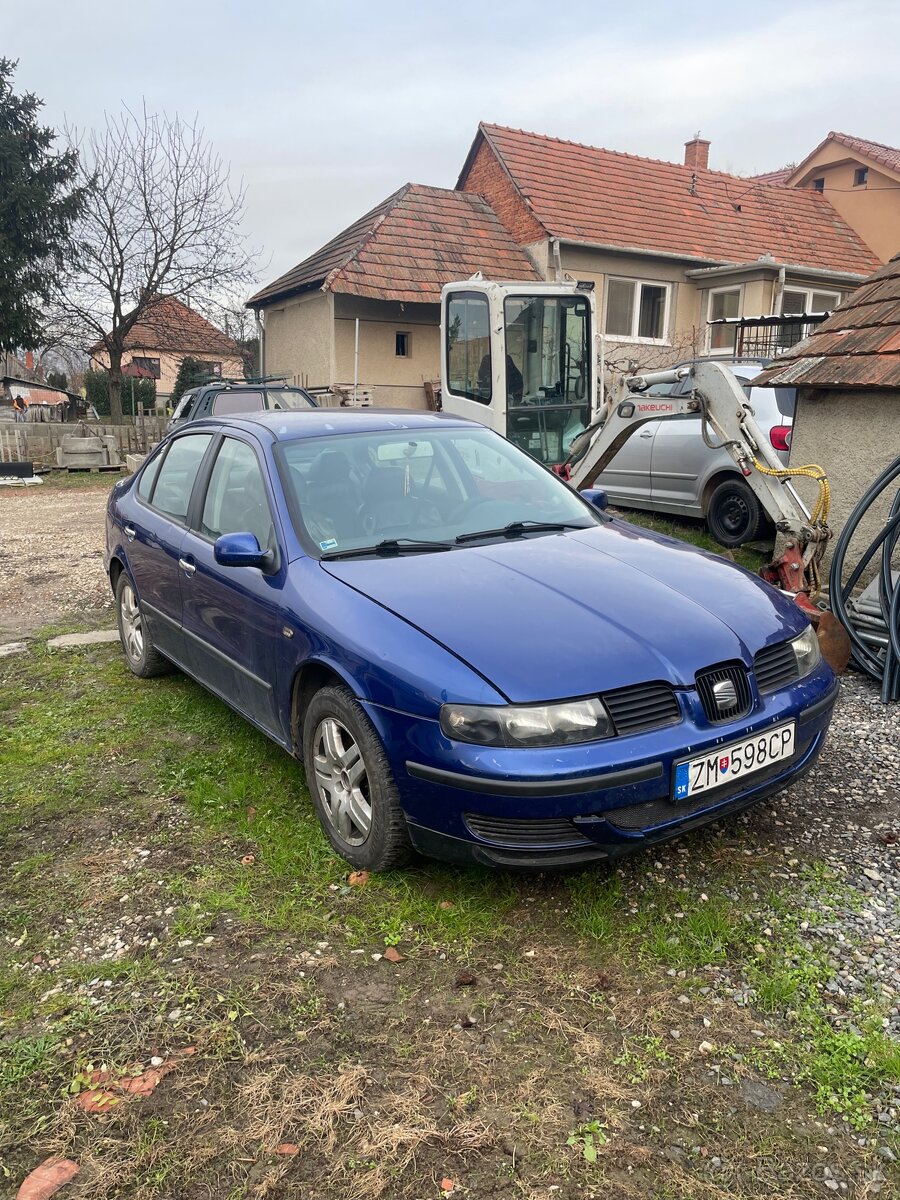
x=470, y=658
x=666, y=467
x=224, y=398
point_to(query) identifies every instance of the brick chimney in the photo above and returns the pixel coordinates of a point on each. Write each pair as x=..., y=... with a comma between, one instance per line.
x=696, y=153
x=29, y=361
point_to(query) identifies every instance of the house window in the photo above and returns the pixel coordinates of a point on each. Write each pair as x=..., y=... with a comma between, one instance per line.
x=402, y=345
x=468, y=346
x=819, y=184
x=799, y=300
x=860, y=176
x=636, y=311
x=723, y=302
x=211, y=368
x=148, y=364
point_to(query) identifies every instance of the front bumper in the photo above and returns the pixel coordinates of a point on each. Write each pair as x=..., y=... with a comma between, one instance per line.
x=573, y=805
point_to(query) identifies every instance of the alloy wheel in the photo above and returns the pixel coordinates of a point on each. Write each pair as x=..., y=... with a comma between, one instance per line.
x=132, y=624
x=342, y=781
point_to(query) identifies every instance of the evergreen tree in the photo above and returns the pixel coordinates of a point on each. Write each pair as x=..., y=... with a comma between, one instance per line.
x=190, y=372
x=58, y=379
x=38, y=203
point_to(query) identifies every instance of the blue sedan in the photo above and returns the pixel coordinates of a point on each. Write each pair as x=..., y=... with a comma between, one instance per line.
x=470, y=659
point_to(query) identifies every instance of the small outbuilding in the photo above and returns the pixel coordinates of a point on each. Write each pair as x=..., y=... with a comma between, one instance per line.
x=847, y=375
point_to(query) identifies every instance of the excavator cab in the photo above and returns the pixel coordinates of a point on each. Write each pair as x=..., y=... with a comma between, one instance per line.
x=520, y=358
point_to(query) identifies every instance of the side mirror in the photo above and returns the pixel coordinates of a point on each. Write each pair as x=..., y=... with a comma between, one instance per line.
x=595, y=496
x=240, y=550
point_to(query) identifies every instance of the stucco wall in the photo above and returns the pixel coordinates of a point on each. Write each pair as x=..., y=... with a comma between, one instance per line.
x=395, y=382
x=853, y=435
x=873, y=209
x=299, y=340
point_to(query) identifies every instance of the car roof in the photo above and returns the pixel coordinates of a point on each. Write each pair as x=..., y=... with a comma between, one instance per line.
x=319, y=422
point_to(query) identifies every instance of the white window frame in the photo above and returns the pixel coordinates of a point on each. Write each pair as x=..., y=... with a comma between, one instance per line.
x=667, y=307
x=808, y=293
x=731, y=287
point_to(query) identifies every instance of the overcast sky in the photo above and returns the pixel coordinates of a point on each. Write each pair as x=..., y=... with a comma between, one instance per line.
x=324, y=108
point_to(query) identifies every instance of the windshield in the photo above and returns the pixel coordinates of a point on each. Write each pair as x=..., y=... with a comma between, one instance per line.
x=429, y=485
x=547, y=373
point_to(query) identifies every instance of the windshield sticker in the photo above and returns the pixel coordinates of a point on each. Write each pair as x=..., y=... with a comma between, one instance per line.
x=329, y=544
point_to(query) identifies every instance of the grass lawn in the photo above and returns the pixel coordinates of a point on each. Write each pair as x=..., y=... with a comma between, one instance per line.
x=168, y=904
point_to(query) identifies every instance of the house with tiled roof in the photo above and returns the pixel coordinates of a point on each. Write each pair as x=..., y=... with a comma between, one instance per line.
x=168, y=332
x=668, y=246
x=847, y=376
x=860, y=179
x=366, y=307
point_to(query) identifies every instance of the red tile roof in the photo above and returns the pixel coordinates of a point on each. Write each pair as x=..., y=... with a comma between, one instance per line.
x=586, y=194
x=858, y=346
x=888, y=156
x=781, y=176
x=407, y=248
x=168, y=324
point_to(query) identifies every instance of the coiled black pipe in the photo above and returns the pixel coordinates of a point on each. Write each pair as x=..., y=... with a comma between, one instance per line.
x=885, y=670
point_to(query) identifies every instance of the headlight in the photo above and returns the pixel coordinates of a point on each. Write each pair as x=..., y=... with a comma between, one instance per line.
x=527, y=725
x=806, y=651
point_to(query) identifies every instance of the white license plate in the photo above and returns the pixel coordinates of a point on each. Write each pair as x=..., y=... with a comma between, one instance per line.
x=730, y=763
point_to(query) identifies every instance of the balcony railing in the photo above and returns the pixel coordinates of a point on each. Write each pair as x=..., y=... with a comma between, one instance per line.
x=767, y=337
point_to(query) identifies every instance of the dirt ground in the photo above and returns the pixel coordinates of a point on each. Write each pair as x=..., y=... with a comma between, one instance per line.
x=51, y=556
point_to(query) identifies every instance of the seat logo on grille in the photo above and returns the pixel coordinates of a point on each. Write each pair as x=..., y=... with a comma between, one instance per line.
x=725, y=695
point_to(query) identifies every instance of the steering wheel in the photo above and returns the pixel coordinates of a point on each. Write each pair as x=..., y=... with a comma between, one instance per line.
x=408, y=513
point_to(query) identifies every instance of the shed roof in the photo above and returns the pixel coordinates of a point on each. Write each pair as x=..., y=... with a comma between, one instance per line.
x=407, y=248
x=602, y=197
x=857, y=347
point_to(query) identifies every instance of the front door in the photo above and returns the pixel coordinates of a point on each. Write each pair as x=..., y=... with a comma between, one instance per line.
x=231, y=615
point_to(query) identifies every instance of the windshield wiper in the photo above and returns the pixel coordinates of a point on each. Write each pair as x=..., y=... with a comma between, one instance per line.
x=389, y=546
x=517, y=528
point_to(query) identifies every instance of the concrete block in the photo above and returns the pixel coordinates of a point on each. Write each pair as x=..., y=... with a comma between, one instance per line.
x=133, y=461
x=70, y=641
x=11, y=648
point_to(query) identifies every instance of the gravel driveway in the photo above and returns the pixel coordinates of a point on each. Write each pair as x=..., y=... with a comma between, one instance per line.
x=51, y=557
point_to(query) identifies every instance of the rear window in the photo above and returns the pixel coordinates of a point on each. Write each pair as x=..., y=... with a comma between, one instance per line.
x=290, y=400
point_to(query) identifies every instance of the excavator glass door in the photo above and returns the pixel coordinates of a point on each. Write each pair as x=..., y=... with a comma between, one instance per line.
x=548, y=365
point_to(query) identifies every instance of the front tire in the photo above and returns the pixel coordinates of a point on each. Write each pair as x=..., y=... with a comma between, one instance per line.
x=143, y=659
x=734, y=515
x=351, y=783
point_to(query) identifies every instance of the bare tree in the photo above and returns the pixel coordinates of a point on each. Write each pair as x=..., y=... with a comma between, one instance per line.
x=163, y=221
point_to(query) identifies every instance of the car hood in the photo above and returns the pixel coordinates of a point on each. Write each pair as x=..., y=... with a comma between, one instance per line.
x=570, y=614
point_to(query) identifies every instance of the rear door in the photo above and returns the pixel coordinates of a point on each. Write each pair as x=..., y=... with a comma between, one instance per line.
x=155, y=527
x=232, y=615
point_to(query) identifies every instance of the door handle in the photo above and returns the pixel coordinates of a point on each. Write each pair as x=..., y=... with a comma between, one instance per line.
x=130, y=532
x=187, y=566
x=648, y=433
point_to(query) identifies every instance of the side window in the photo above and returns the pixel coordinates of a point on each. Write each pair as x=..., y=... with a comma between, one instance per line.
x=148, y=477
x=175, y=480
x=469, y=346
x=236, y=499
x=238, y=401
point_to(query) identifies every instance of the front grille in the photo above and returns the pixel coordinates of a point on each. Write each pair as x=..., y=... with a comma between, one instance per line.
x=510, y=831
x=775, y=667
x=645, y=706
x=708, y=682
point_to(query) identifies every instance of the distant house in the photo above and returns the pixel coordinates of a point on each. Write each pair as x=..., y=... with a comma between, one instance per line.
x=861, y=180
x=847, y=375
x=668, y=246
x=168, y=332
x=386, y=271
